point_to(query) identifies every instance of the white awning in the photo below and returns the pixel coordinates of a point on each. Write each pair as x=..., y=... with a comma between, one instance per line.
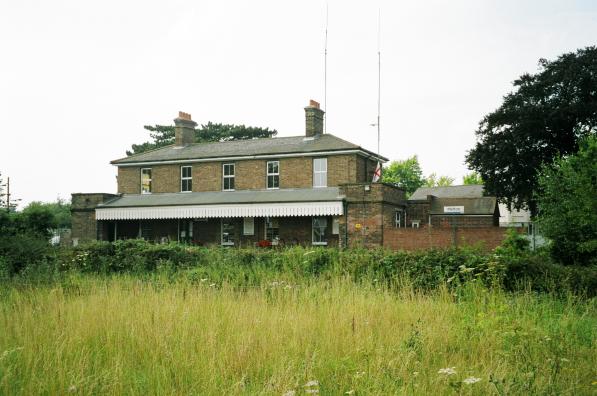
x=291, y=209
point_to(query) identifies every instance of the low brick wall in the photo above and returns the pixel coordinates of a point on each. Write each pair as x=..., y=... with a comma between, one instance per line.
x=442, y=237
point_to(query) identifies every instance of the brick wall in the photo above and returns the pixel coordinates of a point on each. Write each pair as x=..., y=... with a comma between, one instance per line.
x=439, y=237
x=165, y=178
x=296, y=172
x=84, y=226
x=370, y=209
x=129, y=180
x=207, y=176
x=249, y=174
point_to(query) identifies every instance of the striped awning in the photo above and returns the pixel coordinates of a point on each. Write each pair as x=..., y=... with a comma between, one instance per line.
x=286, y=209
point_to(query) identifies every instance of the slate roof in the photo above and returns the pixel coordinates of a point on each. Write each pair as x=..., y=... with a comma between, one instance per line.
x=239, y=148
x=472, y=206
x=225, y=197
x=468, y=191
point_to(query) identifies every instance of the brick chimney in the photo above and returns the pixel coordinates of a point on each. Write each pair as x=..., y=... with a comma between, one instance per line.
x=314, y=119
x=184, y=129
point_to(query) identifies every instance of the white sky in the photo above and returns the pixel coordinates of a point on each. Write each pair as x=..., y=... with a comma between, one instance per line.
x=79, y=79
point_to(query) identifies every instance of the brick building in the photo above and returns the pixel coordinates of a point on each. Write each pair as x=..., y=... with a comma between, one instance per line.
x=313, y=189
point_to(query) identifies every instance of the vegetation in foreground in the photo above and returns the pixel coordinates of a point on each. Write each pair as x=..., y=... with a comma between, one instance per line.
x=161, y=335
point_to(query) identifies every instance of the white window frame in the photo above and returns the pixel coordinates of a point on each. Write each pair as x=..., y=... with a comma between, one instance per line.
x=224, y=176
x=188, y=178
x=318, y=243
x=273, y=174
x=150, y=181
x=398, y=219
x=222, y=232
x=320, y=172
x=265, y=227
x=248, y=226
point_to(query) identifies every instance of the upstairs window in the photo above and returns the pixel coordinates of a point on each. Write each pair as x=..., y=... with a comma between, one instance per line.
x=320, y=172
x=228, y=177
x=186, y=179
x=146, y=181
x=320, y=225
x=273, y=175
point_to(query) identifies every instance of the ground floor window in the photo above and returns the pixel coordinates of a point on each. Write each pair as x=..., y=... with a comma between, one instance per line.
x=185, y=231
x=320, y=225
x=272, y=230
x=228, y=231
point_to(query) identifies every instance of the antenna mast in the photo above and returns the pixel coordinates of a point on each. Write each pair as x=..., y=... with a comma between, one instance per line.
x=378, y=78
x=325, y=71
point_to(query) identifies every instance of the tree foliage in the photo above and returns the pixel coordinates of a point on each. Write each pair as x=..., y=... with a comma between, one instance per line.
x=434, y=181
x=546, y=115
x=163, y=135
x=568, y=205
x=472, y=178
x=406, y=174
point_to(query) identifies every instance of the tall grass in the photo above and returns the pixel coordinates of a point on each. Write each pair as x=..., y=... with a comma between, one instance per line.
x=120, y=334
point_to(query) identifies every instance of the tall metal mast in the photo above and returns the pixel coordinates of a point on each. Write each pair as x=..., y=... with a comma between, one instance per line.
x=378, y=80
x=325, y=71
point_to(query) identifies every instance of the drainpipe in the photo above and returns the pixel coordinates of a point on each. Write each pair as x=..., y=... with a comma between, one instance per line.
x=345, y=224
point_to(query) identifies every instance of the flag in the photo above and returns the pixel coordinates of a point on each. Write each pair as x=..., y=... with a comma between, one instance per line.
x=377, y=174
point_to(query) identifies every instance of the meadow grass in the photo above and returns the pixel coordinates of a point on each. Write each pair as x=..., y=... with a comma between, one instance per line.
x=128, y=335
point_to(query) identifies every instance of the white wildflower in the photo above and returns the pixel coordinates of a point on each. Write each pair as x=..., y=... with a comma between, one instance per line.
x=72, y=389
x=291, y=392
x=311, y=390
x=203, y=279
x=447, y=371
x=350, y=392
x=564, y=360
x=471, y=380
x=311, y=383
x=415, y=373
x=212, y=285
x=359, y=374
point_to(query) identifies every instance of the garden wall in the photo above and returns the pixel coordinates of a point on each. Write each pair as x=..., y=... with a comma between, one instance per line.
x=442, y=237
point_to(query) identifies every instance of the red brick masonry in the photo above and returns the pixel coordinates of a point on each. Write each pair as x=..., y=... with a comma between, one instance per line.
x=440, y=237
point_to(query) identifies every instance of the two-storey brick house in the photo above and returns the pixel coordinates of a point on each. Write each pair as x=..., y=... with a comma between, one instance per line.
x=312, y=189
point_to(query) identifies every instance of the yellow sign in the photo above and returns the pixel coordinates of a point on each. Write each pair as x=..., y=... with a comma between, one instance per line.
x=358, y=226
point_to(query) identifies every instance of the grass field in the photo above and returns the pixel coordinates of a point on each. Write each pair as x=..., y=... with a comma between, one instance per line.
x=99, y=335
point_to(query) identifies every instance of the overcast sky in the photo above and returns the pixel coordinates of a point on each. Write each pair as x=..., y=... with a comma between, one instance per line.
x=79, y=79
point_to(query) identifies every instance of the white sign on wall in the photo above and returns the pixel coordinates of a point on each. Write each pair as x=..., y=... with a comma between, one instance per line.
x=453, y=209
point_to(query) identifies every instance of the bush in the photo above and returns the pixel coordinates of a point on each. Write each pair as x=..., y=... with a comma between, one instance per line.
x=511, y=266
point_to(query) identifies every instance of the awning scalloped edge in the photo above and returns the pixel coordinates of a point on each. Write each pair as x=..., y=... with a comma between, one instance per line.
x=333, y=208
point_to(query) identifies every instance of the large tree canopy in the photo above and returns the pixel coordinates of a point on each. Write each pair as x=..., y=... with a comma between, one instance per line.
x=163, y=135
x=546, y=115
x=568, y=205
x=406, y=174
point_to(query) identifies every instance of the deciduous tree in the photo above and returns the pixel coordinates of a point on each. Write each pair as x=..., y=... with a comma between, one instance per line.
x=472, y=178
x=568, y=205
x=545, y=116
x=406, y=174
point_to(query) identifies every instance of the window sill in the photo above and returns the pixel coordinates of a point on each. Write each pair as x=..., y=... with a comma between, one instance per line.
x=184, y=192
x=145, y=192
x=228, y=190
x=319, y=243
x=319, y=186
x=227, y=243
